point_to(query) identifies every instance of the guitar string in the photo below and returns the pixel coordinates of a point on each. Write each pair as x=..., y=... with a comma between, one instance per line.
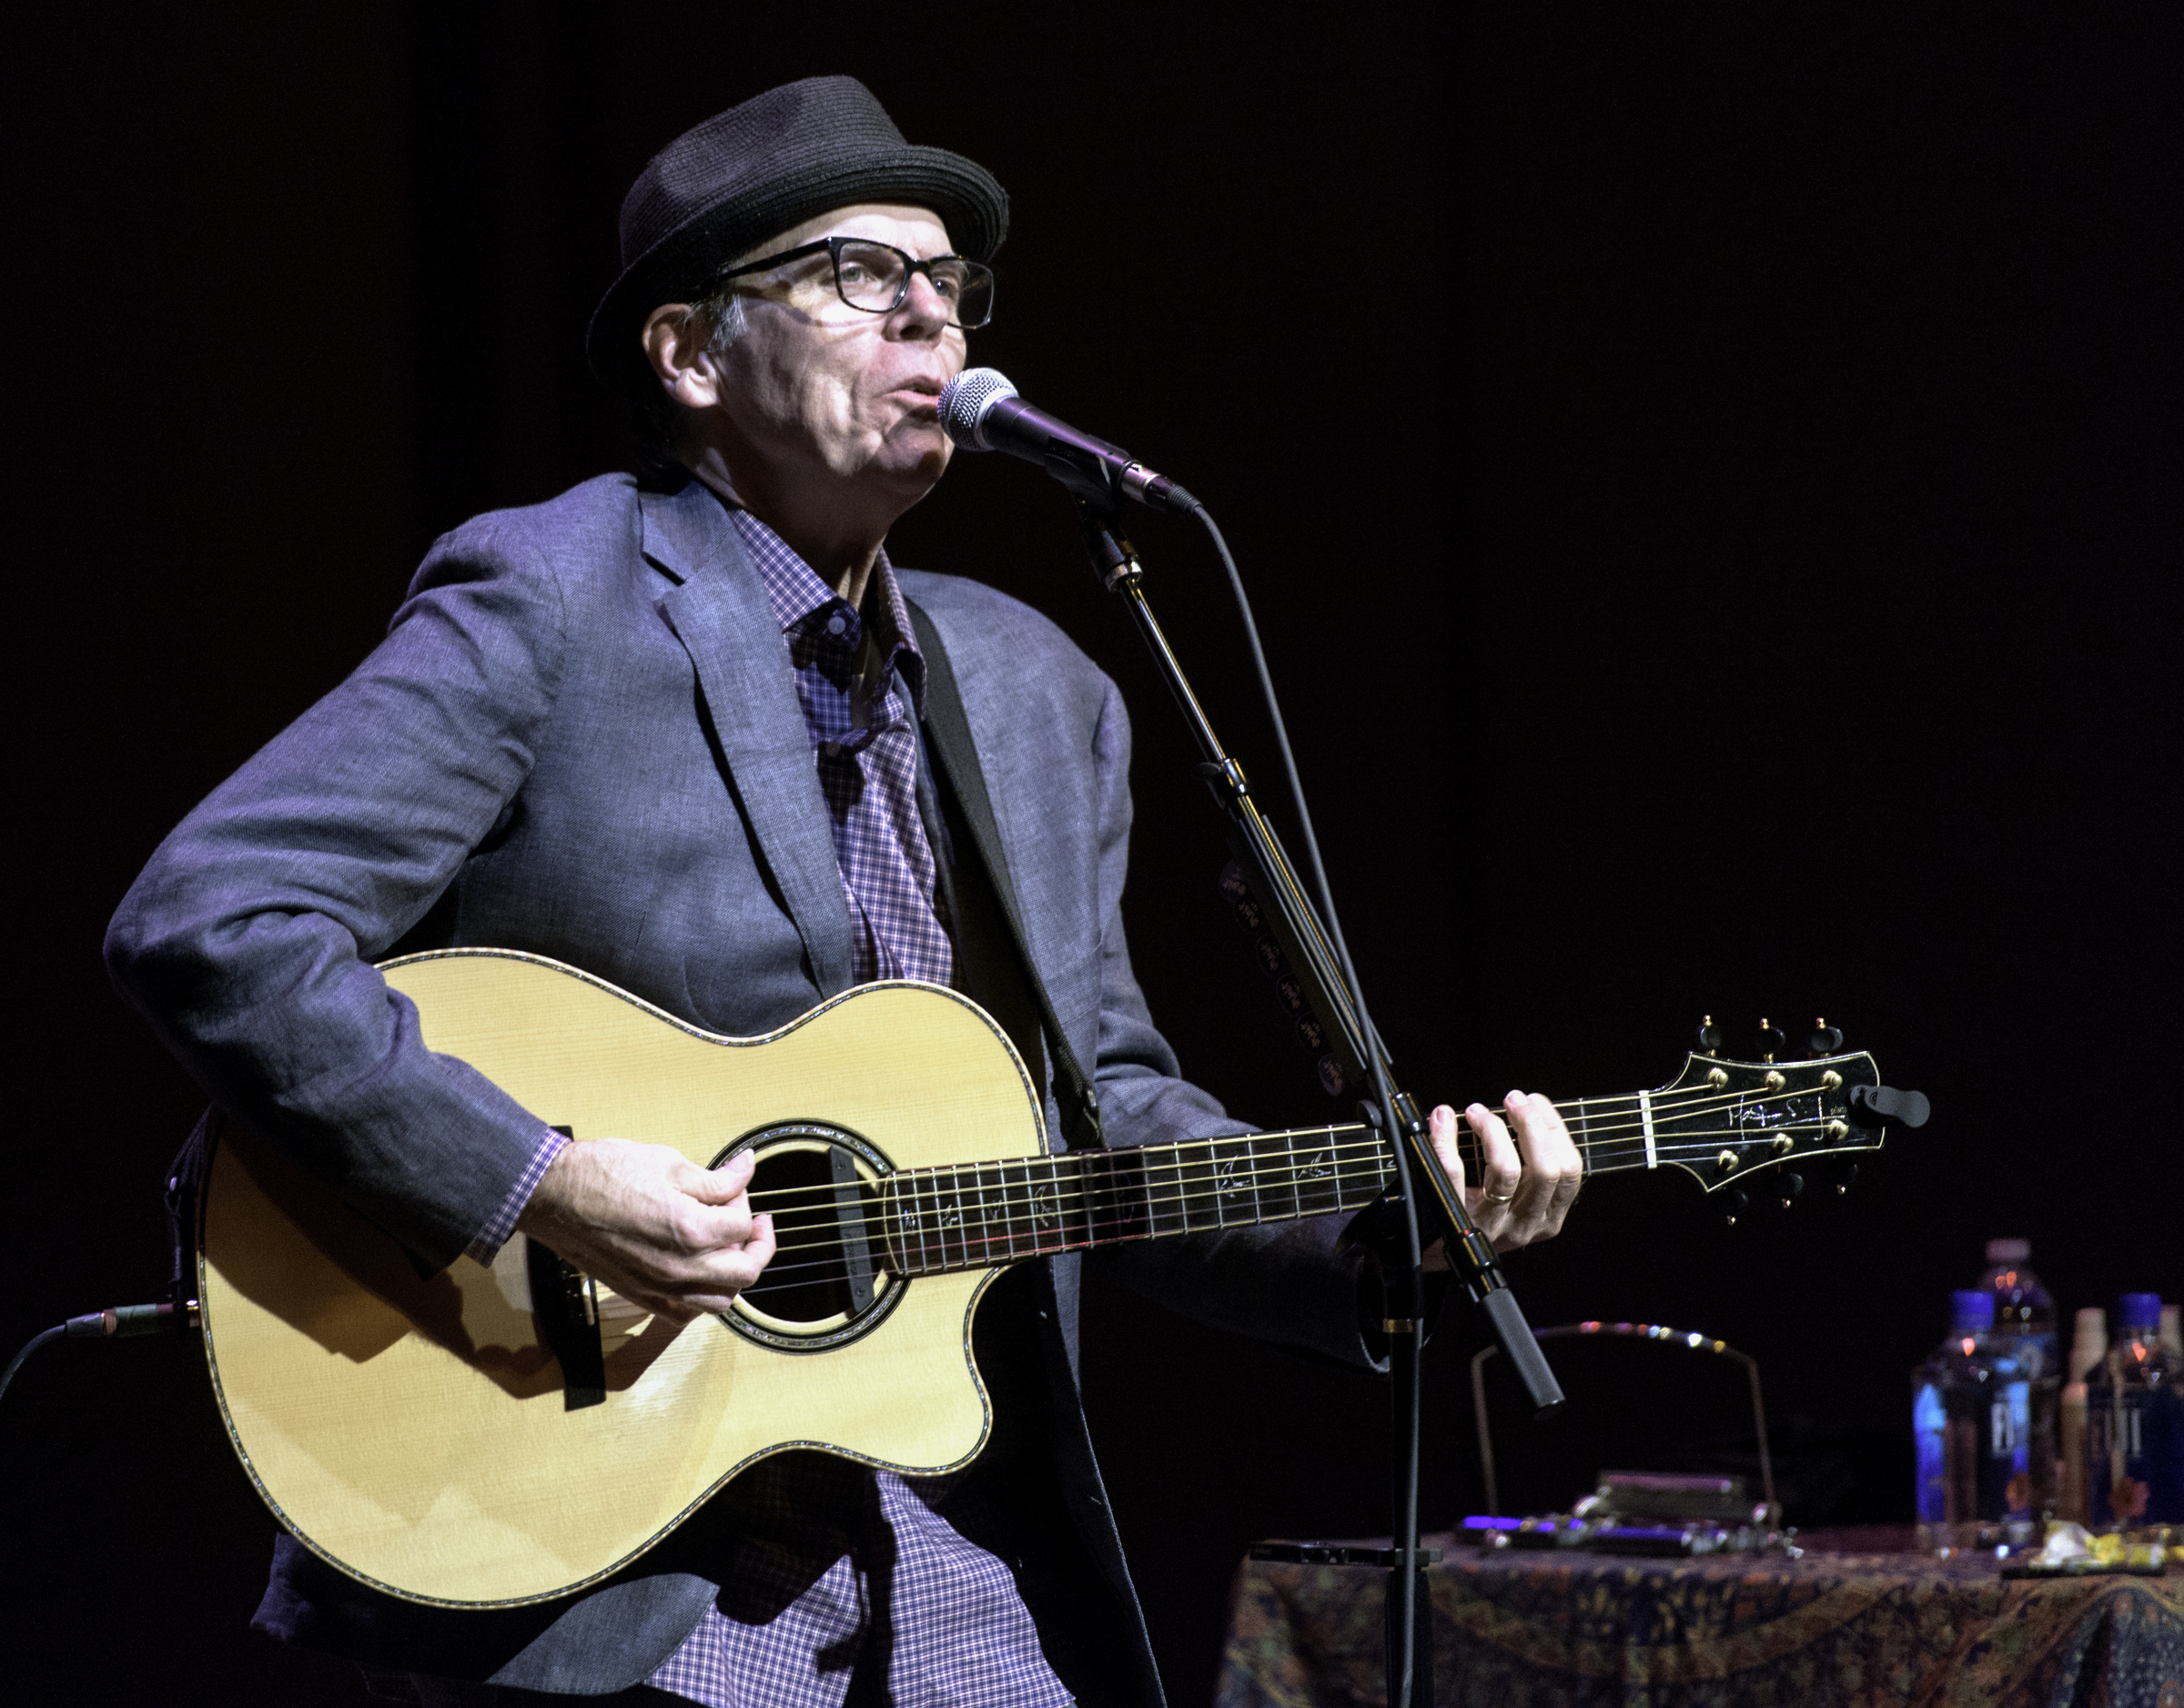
x=955, y=1245
x=945, y=1248
x=982, y=1215
x=819, y=1192
x=980, y=1227
x=1598, y=1134
x=1597, y=1143
x=923, y=1190
x=1160, y=1198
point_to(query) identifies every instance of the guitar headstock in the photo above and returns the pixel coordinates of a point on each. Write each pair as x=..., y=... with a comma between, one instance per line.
x=1726, y=1121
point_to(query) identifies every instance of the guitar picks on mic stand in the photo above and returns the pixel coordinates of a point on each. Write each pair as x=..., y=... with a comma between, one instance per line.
x=2063, y=1466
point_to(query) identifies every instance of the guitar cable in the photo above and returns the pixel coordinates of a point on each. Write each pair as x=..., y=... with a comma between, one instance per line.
x=113, y=1323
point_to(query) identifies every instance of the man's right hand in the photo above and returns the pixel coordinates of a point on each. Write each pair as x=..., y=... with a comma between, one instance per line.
x=645, y=1220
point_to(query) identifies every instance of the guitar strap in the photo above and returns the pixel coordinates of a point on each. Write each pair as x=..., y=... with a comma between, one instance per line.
x=949, y=733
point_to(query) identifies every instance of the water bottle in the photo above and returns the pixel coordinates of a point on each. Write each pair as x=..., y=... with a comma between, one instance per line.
x=2025, y=1336
x=1968, y=1424
x=2134, y=1426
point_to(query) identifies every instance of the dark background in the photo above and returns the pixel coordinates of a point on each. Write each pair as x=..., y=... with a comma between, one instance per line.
x=1711, y=483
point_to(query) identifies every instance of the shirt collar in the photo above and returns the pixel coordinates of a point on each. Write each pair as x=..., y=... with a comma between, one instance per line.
x=799, y=597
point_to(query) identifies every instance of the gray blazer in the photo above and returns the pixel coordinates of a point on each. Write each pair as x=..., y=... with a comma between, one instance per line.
x=581, y=738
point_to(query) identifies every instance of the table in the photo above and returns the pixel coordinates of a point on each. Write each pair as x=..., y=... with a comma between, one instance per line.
x=1522, y=1630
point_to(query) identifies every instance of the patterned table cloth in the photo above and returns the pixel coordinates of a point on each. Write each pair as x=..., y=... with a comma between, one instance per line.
x=1524, y=1630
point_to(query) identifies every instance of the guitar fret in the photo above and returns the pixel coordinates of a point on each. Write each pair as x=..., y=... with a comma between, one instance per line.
x=905, y=1224
x=974, y=1227
x=1202, y=1205
x=1073, y=1202
x=951, y=1217
x=1232, y=1181
x=1162, y=1189
x=1023, y=1227
x=1007, y=1234
x=930, y=1225
x=1043, y=1180
x=1319, y=1187
x=1016, y=1198
x=1127, y=1197
x=994, y=1229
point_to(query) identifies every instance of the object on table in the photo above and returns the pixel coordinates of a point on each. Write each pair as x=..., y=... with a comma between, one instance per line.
x=1971, y=1412
x=2072, y=1552
x=1659, y=1335
x=2089, y=1352
x=2134, y=1426
x=2025, y=1334
x=1659, y=1496
x=1609, y=1535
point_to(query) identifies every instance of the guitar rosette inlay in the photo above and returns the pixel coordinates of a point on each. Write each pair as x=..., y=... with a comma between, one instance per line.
x=828, y=1282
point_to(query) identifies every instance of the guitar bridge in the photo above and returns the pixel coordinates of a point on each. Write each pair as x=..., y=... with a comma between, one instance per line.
x=566, y=1310
x=564, y=1304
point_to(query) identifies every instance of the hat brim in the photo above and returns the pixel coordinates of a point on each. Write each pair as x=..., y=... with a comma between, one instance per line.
x=968, y=199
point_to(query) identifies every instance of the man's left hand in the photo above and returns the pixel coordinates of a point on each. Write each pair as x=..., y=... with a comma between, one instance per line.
x=1529, y=1184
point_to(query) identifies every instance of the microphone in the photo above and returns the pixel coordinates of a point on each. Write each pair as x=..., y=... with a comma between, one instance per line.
x=981, y=412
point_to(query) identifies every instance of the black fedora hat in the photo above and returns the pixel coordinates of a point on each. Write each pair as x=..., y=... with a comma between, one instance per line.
x=755, y=170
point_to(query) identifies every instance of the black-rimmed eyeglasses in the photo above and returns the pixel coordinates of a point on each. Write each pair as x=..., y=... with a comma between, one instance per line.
x=876, y=278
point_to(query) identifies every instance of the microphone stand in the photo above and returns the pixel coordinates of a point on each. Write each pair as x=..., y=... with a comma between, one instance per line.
x=1421, y=1207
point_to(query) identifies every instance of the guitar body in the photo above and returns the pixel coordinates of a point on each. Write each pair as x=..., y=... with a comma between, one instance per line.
x=420, y=1435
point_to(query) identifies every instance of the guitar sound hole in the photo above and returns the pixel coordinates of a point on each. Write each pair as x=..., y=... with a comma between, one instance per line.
x=825, y=1284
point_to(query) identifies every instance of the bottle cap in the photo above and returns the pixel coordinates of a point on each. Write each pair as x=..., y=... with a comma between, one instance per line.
x=1973, y=1312
x=2008, y=1250
x=2138, y=1311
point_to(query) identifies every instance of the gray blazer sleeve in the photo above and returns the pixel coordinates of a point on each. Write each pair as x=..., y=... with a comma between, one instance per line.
x=248, y=941
x=1280, y=1281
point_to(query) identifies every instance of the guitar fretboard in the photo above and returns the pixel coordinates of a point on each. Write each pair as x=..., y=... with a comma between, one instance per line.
x=973, y=1216
x=977, y=1216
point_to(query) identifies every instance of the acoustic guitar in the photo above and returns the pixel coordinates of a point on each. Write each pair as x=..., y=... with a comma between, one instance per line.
x=503, y=1434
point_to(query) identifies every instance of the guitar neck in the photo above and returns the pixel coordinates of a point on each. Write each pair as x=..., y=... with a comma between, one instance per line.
x=977, y=1216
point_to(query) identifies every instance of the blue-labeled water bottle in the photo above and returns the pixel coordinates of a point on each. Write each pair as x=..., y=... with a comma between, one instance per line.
x=2134, y=1426
x=2023, y=1335
x=1968, y=1422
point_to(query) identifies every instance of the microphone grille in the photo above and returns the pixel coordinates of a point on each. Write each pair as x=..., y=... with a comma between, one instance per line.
x=965, y=400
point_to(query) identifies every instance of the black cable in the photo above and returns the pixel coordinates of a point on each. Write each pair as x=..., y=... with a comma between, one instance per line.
x=1288, y=771
x=37, y=1340
x=114, y=1322
x=1401, y=1662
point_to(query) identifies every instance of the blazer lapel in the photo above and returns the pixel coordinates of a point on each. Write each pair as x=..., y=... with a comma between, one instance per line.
x=720, y=613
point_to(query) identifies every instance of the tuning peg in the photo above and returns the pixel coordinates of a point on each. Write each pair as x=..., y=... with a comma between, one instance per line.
x=1791, y=1184
x=1846, y=1173
x=1824, y=1039
x=1884, y=1106
x=1771, y=1040
x=1710, y=1036
x=1738, y=1204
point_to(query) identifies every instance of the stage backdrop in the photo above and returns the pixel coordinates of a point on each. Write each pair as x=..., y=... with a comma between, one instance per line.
x=1711, y=486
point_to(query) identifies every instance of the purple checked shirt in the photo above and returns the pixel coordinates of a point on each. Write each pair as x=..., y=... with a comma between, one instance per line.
x=961, y=1635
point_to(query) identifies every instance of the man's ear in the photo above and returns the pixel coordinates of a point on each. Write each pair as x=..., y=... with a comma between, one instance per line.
x=674, y=344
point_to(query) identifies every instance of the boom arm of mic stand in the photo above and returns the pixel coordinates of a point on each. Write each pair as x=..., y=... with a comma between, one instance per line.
x=1440, y=1210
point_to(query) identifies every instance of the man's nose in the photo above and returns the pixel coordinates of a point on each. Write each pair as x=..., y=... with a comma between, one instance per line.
x=923, y=306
